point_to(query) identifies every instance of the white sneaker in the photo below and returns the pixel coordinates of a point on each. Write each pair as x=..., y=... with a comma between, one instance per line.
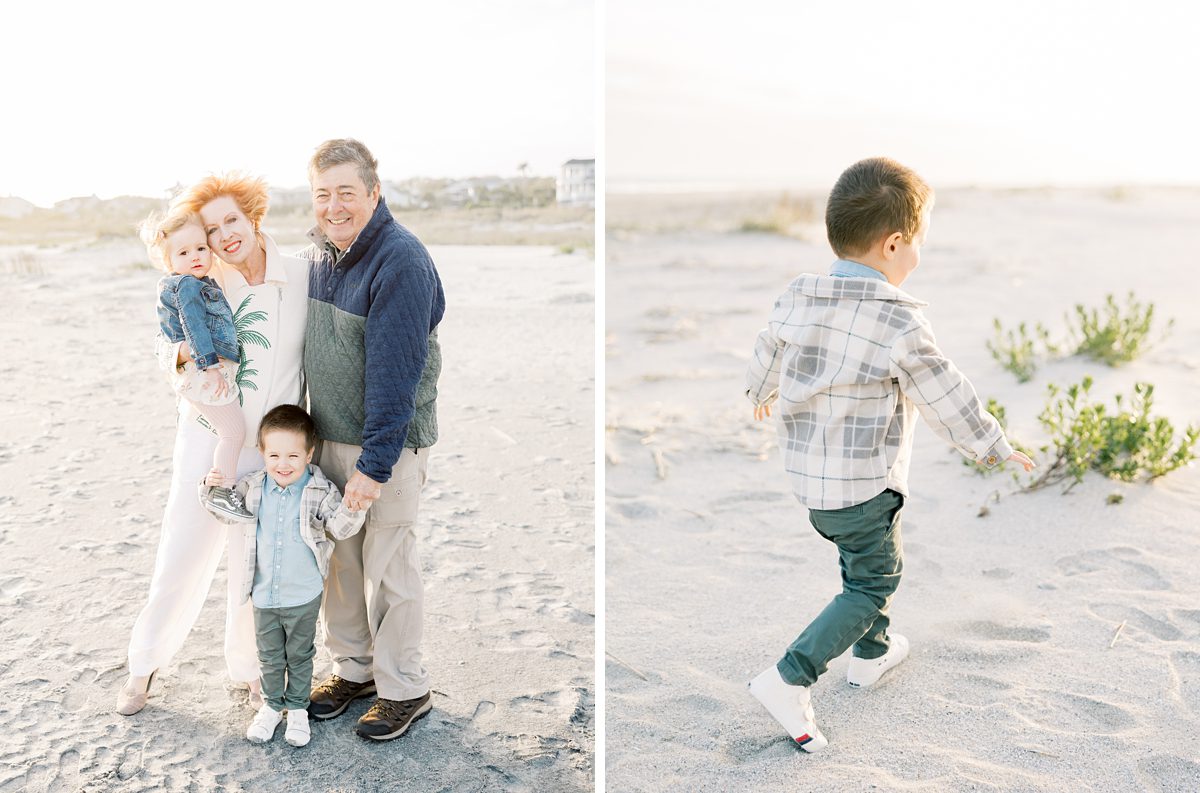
x=262, y=729
x=791, y=706
x=864, y=672
x=297, y=733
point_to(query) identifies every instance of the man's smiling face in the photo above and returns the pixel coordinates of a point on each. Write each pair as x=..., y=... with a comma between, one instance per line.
x=342, y=203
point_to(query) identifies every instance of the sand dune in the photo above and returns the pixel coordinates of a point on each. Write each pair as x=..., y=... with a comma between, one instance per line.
x=712, y=567
x=505, y=536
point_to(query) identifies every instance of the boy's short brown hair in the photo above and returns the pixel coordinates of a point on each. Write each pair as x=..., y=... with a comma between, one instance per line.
x=291, y=418
x=872, y=199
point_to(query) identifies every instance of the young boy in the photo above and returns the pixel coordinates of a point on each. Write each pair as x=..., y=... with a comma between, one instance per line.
x=851, y=360
x=287, y=558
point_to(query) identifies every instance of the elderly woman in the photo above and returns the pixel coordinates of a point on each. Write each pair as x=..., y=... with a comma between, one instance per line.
x=269, y=296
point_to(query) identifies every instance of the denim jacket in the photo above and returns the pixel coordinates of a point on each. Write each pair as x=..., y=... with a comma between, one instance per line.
x=195, y=310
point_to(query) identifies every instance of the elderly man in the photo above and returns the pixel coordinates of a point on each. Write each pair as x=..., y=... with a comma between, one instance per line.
x=371, y=359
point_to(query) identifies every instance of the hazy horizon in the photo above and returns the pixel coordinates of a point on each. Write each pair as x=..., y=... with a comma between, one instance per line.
x=132, y=97
x=1028, y=93
x=164, y=194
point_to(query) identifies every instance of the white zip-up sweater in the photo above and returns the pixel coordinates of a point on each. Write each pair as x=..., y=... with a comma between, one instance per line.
x=270, y=320
x=852, y=361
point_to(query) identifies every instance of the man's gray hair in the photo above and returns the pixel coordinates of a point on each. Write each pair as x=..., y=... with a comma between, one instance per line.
x=339, y=151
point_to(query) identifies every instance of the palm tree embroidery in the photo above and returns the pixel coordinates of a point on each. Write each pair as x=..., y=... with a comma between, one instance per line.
x=241, y=325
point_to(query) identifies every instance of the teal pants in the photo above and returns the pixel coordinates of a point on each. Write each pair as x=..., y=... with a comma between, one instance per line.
x=868, y=539
x=285, y=653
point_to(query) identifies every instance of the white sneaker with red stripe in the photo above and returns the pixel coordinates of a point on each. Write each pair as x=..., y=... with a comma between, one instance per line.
x=865, y=672
x=791, y=706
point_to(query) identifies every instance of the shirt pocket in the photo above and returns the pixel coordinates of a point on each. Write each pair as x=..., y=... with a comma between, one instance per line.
x=295, y=527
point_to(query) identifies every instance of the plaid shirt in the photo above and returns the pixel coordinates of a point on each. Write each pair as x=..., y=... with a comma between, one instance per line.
x=322, y=516
x=852, y=361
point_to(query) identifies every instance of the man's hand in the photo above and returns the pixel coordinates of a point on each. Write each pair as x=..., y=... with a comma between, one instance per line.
x=361, y=492
x=762, y=412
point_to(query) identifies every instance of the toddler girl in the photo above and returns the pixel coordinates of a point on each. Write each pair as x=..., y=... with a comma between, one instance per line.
x=193, y=309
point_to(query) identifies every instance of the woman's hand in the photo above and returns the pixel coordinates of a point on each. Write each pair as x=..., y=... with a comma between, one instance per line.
x=216, y=381
x=214, y=478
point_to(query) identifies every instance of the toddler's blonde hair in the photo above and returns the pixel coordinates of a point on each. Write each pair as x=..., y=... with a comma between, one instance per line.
x=158, y=226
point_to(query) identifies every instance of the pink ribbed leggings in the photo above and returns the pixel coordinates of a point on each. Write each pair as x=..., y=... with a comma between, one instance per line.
x=231, y=432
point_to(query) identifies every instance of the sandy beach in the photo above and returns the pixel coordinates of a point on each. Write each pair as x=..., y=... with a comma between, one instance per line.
x=1015, y=682
x=506, y=537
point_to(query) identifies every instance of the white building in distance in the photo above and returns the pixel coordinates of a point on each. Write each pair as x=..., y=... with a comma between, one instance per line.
x=576, y=184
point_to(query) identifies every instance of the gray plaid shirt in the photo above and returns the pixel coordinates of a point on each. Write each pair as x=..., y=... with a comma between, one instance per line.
x=851, y=362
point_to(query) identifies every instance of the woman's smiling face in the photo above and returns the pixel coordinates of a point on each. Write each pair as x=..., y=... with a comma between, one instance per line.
x=230, y=232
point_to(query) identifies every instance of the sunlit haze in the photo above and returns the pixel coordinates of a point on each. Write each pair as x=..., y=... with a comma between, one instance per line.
x=787, y=94
x=133, y=97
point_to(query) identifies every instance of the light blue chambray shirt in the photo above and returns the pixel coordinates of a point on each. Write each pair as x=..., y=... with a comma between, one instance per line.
x=843, y=268
x=286, y=572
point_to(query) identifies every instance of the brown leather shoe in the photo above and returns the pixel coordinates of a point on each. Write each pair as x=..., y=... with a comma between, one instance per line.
x=389, y=718
x=333, y=696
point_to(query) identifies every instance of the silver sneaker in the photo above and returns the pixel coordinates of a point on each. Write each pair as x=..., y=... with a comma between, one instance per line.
x=228, y=502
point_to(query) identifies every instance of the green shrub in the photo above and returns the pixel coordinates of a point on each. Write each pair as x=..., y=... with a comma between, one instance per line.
x=789, y=216
x=1019, y=352
x=1111, y=335
x=1128, y=444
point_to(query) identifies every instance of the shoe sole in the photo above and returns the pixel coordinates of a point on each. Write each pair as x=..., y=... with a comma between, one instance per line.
x=424, y=711
x=366, y=692
x=237, y=516
x=256, y=739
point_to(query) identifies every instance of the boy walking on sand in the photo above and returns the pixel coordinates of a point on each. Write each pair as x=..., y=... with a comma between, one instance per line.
x=851, y=360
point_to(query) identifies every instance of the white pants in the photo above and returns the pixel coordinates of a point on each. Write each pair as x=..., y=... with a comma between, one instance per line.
x=189, y=550
x=374, y=599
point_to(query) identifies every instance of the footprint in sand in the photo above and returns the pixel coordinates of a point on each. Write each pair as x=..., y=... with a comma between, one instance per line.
x=974, y=690
x=1116, y=613
x=79, y=690
x=483, y=709
x=1186, y=666
x=1123, y=560
x=1169, y=774
x=1007, y=633
x=635, y=509
x=1074, y=713
x=570, y=704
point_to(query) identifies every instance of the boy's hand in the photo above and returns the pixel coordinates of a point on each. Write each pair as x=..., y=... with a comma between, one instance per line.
x=1026, y=463
x=214, y=478
x=762, y=411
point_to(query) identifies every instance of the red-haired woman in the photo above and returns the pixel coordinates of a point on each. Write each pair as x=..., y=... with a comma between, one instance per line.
x=269, y=296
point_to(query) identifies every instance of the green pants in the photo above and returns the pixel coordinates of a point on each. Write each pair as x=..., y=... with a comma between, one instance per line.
x=285, y=653
x=868, y=539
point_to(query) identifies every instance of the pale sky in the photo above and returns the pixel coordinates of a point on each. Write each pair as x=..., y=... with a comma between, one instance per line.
x=129, y=97
x=789, y=93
